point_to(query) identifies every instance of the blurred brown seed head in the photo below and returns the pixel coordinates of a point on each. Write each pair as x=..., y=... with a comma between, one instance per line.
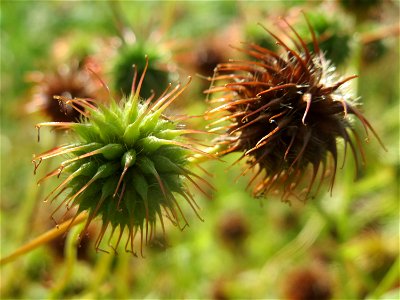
x=364, y=10
x=285, y=113
x=202, y=55
x=307, y=284
x=159, y=243
x=70, y=81
x=233, y=230
x=219, y=290
x=58, y=245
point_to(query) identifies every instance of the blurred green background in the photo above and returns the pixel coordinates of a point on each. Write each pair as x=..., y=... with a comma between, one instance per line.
x=344, y=246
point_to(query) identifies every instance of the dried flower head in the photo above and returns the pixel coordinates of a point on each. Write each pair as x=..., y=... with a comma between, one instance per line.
x=69, y=81
x=364, y=10
x=310, y=283
x=202, y=54
x=128, y=164
x=233, y=230
x=220, y=289
x=285, y=113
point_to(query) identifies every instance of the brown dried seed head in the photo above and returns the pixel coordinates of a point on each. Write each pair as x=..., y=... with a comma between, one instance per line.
x=69, y=81
x=286, y=113
x=233, y=230
x=307, y=284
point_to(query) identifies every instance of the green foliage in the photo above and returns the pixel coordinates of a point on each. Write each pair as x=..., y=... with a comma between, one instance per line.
x=352, y=234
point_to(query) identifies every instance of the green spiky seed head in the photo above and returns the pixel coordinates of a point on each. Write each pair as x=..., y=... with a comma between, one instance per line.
x=128, y=165
x=157, y=74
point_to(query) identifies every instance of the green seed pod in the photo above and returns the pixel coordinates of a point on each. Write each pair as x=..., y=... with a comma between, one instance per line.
x=127, y=166
x=157, y=75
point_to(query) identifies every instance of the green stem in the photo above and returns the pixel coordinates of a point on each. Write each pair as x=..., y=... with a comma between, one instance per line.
x=329, y=221
x=333, y=225
x=44, y=238
x=31, y=204
x=71, y=255
x=389, y=281
x=123, y=274
x=102, y=270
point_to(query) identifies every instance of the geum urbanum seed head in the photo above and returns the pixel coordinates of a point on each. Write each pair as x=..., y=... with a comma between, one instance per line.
x=69, y=80
x=285, y=114
x=128, y=165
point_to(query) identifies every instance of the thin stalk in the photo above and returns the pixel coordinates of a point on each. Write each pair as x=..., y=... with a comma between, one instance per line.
x=335, y=225
x=71, y=258
x=101, y=271
x=123, y=276
x=388, y=282
x=296, y=247
x=44, y=238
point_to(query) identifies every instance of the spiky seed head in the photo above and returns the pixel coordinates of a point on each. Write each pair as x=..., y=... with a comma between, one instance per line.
x=129, y=55
x=202, y=55
x=285, y=114
x=308, y=283
x=205, y=54
x=233, y=230
x=69, y=81
x=128, y=165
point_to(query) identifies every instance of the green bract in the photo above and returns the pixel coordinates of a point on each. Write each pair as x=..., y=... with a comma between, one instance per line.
x=127, y=165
